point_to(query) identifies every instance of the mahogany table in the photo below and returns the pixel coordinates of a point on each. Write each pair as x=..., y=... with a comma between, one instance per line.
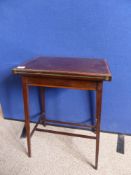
x=58, y=72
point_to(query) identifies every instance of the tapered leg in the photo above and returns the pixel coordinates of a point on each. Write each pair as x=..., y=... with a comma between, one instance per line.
x=42, y=100
x=26, y=111
x=98, y=119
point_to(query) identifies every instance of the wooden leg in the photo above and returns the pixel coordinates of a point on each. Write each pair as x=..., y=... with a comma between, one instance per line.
x=26, y=111
x=42, y=100
x=98, y=119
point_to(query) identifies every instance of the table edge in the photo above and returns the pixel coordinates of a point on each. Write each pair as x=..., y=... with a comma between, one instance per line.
x=28, y=72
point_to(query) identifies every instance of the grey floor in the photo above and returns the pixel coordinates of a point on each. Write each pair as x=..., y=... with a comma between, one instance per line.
x=60, y=155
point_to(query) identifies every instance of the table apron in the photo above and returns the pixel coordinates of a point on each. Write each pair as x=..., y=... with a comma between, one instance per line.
x=61, y=83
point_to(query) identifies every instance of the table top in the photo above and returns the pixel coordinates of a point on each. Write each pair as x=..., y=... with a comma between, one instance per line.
x=88, y=68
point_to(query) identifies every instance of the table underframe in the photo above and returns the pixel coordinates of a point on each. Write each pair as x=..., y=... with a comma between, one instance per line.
x=55, y=82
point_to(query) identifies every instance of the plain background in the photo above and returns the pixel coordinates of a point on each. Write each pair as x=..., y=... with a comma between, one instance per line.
x=82, y=28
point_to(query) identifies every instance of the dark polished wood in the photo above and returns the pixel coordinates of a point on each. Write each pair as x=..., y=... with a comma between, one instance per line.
x=69, y=123
x=66, y=67
x=42, y=100
x=62, y=83
x=98, y=118
x=74, y=73
x=26, y=110
x=65, y=133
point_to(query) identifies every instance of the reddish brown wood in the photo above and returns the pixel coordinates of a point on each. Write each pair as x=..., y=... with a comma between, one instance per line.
x=46, y=121
x=26, y=110
x=66, y=133
x=62, y=83
x=98, y=118
x=36, y=125
x=69, y=123
x=66, y=67
x=84, y=74
x=42, y=99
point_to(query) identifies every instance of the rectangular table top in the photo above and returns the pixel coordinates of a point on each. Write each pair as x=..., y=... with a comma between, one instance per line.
x=86, y=68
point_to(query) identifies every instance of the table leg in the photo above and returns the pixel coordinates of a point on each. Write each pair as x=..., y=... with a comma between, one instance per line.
x=42, y=100
x=26, y=111
x=98, y=119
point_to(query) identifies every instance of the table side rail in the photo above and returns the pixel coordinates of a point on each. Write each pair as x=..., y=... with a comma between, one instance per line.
x=61, y=83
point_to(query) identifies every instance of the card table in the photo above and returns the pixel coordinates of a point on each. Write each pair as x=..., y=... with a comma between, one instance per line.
x=62, y=72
